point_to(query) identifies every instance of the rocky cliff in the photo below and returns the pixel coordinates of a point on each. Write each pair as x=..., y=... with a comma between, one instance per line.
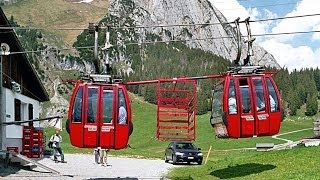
x=7, y=2
x=169, y=12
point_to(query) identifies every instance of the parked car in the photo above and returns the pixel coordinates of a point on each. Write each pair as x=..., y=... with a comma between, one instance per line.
x=183, y=152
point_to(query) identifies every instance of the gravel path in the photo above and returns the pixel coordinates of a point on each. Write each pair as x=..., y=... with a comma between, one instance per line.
x=288, y=141
x=80, y=166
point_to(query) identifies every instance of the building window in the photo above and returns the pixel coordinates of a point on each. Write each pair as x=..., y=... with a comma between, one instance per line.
x=273, y=98
x=17, y=110
x=217, y=99
x=92, y=104
x=260, y=102
x=107, y=106
x=122, y=108
x=77, y=106
x=30, y=113
x=232, y=101
x=245, y=96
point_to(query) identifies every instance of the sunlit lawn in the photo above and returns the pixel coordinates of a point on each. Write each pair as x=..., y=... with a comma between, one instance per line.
x=297, y=163
x=144, y=143
x=226, y=159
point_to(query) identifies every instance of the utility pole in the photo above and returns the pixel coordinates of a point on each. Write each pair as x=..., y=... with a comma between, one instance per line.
x=94, y=28
x=2, y=137
x=249, y=40
x=106, y=47
x=4, y=51
x=236, y=22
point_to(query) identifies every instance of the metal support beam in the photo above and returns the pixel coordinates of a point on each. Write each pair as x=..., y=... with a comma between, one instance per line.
x=2, y=129
x=249, y=40
x=94, y=28
x=106, y=47
x=96, y=56
x=4, y=51
x=236, y=22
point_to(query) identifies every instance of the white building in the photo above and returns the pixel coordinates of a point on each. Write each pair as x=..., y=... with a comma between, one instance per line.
x=21, y=92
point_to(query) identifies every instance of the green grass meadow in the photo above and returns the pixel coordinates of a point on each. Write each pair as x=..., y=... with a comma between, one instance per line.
x=58, y=14
x=297, y=163
x=226, y=160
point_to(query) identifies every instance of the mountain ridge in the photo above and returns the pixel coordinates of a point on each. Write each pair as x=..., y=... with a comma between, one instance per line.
x=166, y=12
x=136, y=58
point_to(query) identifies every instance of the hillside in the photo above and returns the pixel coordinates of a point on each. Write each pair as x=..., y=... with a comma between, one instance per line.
x=144, y=143
x=226, y=159
x=153, y=60
x=48, y=14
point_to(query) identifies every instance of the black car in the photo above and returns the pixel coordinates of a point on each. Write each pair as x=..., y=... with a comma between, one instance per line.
x=183, y=152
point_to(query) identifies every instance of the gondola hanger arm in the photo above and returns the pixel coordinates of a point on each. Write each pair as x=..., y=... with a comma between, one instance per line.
x=175, y=79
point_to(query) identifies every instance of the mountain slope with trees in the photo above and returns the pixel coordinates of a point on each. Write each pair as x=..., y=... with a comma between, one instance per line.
x=300, y=89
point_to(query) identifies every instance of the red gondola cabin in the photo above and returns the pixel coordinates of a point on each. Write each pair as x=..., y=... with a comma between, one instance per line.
x=246, y=105
x=99, y=116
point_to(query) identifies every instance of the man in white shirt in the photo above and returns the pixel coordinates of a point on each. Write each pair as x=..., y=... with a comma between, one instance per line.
x=122, y=113
x=232, y=103
x=272, y=104
x=56, y=139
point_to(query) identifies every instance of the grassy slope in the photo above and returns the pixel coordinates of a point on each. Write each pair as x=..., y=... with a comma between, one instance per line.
x=50, y=14
x=144, y=143
x=298, y=163
x=224, y=162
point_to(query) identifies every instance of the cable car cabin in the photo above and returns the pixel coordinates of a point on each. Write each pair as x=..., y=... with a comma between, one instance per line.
x=246, y=105
x=99, y=116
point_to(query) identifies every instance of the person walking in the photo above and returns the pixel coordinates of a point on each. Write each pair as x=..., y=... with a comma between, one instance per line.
x=101, y=156
x=56, y=139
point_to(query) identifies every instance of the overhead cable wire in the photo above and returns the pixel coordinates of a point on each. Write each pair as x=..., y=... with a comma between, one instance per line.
x=287, y=17
x=226, y=1
x=22, y=86
x=175, y=40
x=254, y=6
x=167, y=25
x=35, y=28
x=223, y=37
x=207, y=24
x=287, y=33
x=44, y=50
x=259, y=6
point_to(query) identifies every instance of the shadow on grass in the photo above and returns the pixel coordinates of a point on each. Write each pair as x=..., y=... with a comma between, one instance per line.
x=126, y=178
x=182, y=178
x=241, y=170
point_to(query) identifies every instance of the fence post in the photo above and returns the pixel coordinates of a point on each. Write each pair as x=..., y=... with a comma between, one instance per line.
x=208, y=155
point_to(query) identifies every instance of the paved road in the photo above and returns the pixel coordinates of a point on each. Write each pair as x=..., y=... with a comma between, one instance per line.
x=81, y=166
x=288, y=141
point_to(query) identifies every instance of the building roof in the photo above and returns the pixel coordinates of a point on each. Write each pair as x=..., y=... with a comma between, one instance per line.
x=37, y=91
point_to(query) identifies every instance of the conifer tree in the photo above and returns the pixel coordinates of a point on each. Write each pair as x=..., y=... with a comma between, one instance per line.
x=293, y=102
x=311, y=105
x=150, y=95
x=202, y=103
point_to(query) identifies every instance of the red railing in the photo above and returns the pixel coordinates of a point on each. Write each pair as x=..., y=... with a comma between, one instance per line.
x=176, y=111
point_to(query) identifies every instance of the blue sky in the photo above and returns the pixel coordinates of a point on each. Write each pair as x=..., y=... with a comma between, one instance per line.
x=291, y=51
